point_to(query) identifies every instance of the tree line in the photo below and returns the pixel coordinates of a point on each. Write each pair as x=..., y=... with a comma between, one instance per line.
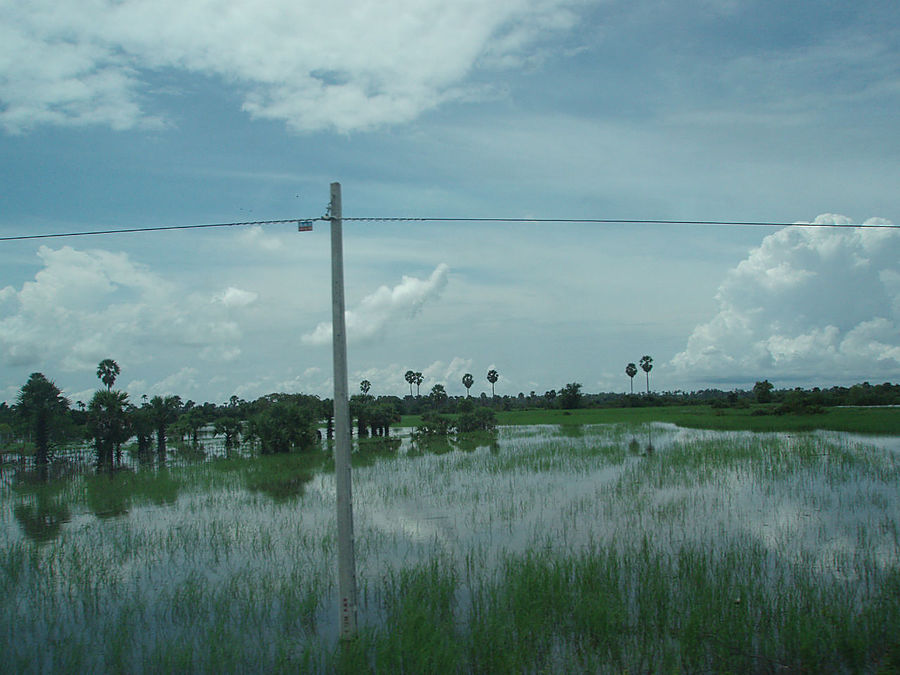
x=280, y=422
x=42, y=417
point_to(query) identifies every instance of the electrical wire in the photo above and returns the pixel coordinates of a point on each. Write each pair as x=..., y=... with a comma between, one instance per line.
x=305, y=224
x=132, y=230
x=616, y=221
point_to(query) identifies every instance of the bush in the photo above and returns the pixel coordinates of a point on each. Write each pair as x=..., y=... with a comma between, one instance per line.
x=480, y=419
x=282, y=427
x=799, y=402
x=434, y=424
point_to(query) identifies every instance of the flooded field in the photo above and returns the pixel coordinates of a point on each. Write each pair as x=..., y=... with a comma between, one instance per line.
x=595, y=549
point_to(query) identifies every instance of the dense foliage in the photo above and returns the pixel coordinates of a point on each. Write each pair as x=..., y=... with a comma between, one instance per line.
x=281, y=422
x=469, y=418
x=40, y=409
x=282, y=426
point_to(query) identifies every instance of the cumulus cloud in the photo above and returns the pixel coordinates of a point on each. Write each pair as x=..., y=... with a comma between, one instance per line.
x=236, y=297
x=83, y=306
x=185, y=380
x=810, y=304
x=450, y=373
x=345, y=65
x=385, y=306
x=256, y=238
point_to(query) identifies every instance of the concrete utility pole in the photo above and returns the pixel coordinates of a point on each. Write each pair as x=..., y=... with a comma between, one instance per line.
x=346, y=558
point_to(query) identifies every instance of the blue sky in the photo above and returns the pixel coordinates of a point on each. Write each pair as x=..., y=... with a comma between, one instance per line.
x=136, y=113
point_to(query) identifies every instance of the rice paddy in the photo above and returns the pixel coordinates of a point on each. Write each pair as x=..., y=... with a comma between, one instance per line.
x=600, y=548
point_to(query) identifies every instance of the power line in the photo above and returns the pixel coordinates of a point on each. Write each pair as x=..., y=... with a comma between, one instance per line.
x=615, y=221
x=303, y=224
x=306, y=224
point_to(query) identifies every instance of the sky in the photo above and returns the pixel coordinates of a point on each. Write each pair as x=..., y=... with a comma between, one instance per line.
x=147, y=113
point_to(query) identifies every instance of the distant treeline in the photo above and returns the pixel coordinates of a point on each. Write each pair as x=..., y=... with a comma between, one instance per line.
x=280, y=422
x=571, y=396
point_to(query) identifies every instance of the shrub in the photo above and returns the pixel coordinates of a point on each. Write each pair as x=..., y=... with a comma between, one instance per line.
x=480, y=419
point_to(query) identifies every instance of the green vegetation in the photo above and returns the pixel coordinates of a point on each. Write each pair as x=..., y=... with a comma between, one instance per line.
x=492, y=377
x=858, y=420
x=469, y=419
x=575, y=548
x=41, y=408
x=647, y=366
x=108, y=424
x=612, y=610
x=107, y=372
x=283, y=426
x=267, y=425
x=631, y=371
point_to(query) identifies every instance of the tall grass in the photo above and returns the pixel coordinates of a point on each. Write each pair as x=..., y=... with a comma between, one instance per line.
x=536, y=551
x=628, y=609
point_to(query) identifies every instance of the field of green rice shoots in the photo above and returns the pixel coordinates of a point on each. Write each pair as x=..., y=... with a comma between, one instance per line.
x=595, y=549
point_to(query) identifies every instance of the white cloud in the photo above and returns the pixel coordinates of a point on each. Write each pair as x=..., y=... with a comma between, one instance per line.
x=83, y=306
x=810, y=304
x=448, y=374
x=313, y=380
x=256, y=238
x=386, y=305
x=235, y=297
x=181, y=383
x=345, y=65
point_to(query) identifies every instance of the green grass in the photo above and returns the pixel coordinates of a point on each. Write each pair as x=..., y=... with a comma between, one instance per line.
x=856, y=420
x=626, y=608
x=556, y=549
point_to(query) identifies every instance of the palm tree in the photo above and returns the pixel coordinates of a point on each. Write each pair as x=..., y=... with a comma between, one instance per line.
x=108, y=370
x=631, y=371
x=142, y=426
x=468, y=381
x=364, y=386
x=419, y=379
x=195, y=421
x=108, y=423
x=438, y=396
x=647, y=366
x=231, y=428
x=492, y=377
x=40, y=404
x=163, y=411
x=410, y=377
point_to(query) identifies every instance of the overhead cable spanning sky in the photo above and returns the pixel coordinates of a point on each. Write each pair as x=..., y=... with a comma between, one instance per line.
x=305, y=225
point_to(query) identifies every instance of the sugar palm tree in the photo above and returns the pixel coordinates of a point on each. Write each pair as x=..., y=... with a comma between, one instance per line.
x=647, y=366
x=163, y=411
x=438, y=396
x=231, y=428
x=468, y=381
x=108, y=370
x=419, y=379
x=40, y=405
x=631, y=371
x=410, y=378
x=364, y=386
x=492, y=377
x=108, y=423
